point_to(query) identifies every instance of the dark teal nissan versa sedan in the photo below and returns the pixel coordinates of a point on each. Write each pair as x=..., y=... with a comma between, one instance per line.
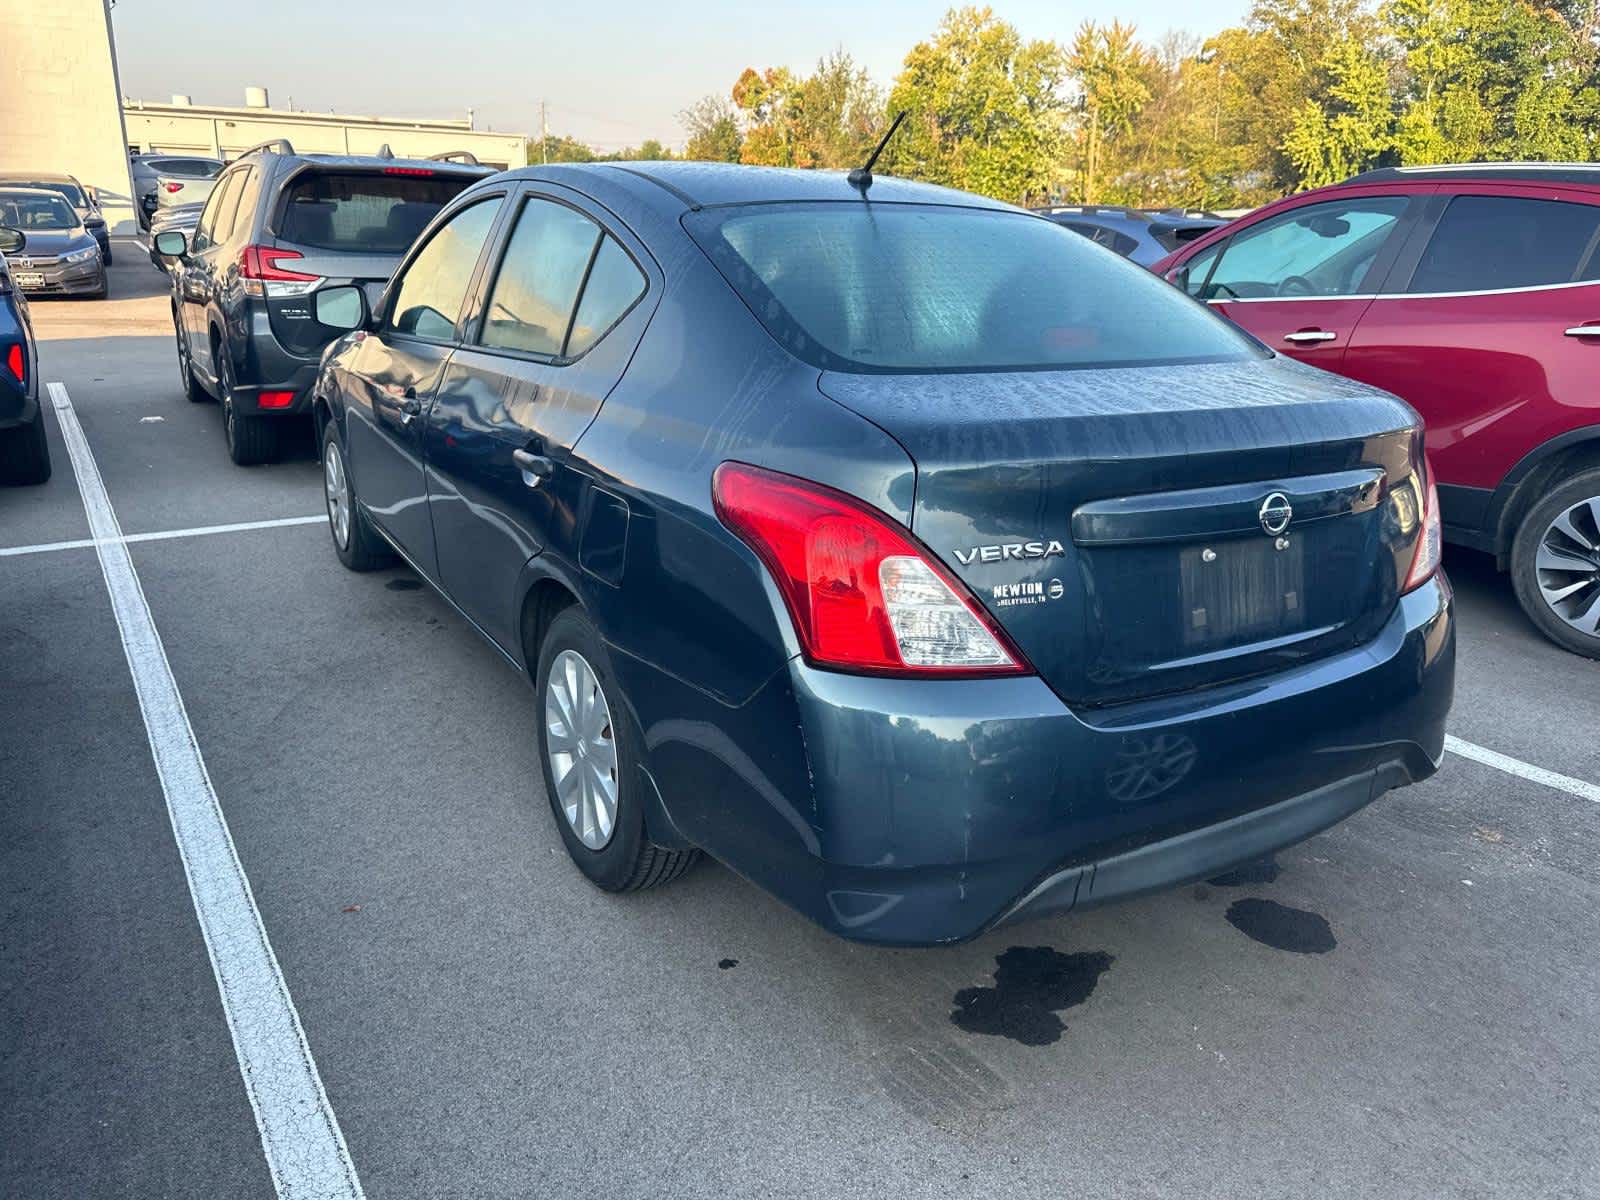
x=926, y=563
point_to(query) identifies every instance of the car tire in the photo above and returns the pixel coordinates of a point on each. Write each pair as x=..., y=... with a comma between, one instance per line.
x=192, y=391
x=599, y=765
x=25, y=453
x=250, y=439
x=1555, y=564
x=357, y=544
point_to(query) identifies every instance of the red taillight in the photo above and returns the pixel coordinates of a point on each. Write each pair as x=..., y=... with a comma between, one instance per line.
x=863, y=594
x=16, y=362
x=1430, y=537
x=274, y=399
x=173, y=187
x=261, y=262
x=422, y=171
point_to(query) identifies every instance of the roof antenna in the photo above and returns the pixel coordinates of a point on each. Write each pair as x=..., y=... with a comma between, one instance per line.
x=861, y=177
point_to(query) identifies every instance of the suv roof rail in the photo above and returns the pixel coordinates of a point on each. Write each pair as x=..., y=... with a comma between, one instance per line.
x=463, y=156
x=270, y=146
x=1555, y=172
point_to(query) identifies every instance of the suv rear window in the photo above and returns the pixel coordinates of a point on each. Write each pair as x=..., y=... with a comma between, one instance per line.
x=911, y=288
x=186, y=168
x=362, y=212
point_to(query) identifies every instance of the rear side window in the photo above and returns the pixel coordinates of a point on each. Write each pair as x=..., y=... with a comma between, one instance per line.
x=366, y=213
x=1486, y=243
x=1121, y=243
x=530, y=307
x=435, y=283
x=901, y=288
x=615, y=285
x=1319, y=250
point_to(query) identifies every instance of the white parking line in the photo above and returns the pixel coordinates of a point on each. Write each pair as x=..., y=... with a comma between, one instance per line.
x=1515, y=766
x=165, y=534
x=305, y=1148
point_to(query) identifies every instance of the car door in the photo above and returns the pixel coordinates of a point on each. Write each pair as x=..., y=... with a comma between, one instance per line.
x=1490, y=327
x=1299, y=279
x=396, y=370
x=196, y=282
x=559, y=320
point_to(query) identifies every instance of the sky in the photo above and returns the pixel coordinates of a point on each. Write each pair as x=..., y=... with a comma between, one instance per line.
x=612, y=73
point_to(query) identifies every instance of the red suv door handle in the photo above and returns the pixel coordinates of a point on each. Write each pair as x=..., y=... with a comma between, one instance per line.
x=1301, y=336
x=1584, y=331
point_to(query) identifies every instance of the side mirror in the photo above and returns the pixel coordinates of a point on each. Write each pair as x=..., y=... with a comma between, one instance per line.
x=11, y=240
x=171, y=243
x=343, y=307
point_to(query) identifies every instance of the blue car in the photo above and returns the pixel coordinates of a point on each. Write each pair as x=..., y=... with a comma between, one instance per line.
x=927, y=564
x=24, y=452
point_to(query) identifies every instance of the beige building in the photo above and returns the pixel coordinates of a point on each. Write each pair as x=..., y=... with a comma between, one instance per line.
x=223, y=132
x=58, y=98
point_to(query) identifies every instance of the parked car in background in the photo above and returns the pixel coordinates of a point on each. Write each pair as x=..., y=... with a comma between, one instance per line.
x=278, y=227
x=1141, y=234
x=24, y=452
x=83, y=200
x=1473, y=292
x=182, y=218
x=929, y=565
x=178, y=169
x=61, y=257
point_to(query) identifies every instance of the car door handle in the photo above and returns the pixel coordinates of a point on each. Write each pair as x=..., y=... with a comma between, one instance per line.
x=536, y=468
x=1302, y=336
x=1584, y=331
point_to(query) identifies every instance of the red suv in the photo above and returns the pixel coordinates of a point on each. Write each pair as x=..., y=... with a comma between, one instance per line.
x=1473, y=292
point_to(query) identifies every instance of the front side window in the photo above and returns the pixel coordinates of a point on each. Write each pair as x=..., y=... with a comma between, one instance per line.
x=227, y=206
x=530, y=307
x=205, y=227
x=908, y=288
x=435, y=283
x=1319, y=250
x=1488, y=243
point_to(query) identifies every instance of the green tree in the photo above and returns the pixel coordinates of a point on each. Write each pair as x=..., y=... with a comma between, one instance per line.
x=713, y=130
x=1351, y=126
x=1115, y=73
x=986, y=111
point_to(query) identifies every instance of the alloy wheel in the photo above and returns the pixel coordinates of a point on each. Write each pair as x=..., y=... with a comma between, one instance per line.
x=1567, y=566
x=581, y=748
x=338, y=489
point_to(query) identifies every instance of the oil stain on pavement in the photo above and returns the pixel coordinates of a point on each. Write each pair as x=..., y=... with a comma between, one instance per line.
x=1281, y=927
x=1031, y=985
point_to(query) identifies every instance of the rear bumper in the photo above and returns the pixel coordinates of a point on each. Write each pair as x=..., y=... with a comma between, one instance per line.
x=268, y=367
x=930, y=811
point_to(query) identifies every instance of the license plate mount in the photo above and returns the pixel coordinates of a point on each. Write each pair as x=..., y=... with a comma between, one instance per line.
x=27, y=279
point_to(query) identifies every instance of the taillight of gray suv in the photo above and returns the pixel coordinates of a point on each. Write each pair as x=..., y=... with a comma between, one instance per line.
x=279, y=226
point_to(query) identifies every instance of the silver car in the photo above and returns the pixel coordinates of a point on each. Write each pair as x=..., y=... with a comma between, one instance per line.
x=177, y=175
x=61, y=257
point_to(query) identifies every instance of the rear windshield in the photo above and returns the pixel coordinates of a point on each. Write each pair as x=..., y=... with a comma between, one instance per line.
x=187, y=168
x=36, y=210
x=923, y=288
x=368, y=213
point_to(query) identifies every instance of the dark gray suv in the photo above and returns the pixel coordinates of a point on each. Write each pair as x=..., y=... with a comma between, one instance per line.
x=278, y=227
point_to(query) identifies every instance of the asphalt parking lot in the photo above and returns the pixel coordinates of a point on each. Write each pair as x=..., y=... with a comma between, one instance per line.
x=1402, y=1006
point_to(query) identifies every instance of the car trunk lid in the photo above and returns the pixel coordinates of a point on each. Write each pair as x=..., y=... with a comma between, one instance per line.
x=1124, y=525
